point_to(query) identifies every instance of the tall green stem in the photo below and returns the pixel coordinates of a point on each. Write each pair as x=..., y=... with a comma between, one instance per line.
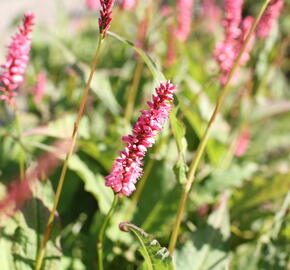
x=102, y=233
x=21, y=157
x=203, y=142
x=41, y=252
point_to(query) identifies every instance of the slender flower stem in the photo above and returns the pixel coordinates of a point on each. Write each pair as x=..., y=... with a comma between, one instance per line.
x=103, y=230
x=133, y=90
x=201, y=147
x=48, y=229
x=21, y=158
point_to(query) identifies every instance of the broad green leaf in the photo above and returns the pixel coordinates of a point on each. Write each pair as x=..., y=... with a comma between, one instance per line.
x=92, y=149
x=178, y=130
x=156, y=72
x=207, y=248
x=156, y=257
x=71, y=263
x=160, y=181
x=94, y=184
x=21, y=235
x=164, y=212
x=258, y=191
x=60, y=128
x=100, y=85
x=233, y=176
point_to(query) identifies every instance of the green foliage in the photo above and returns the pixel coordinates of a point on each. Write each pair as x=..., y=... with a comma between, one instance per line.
x=21, y=236
x=207, y=247
x=249, y=230
x=156, y=257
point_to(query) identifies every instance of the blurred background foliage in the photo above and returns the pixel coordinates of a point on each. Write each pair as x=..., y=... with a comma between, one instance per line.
x=237, y=216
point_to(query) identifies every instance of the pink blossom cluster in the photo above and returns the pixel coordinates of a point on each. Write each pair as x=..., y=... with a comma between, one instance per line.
x=93, y=4
x=211, y=13
x=105, y=16
x=128, y=166
x=272, y=13
x=128, y=4
x=184, y=17
x=13, y=69
x=236, y=31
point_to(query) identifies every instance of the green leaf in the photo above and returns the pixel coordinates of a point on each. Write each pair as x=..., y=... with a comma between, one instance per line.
x=94, y=184
x=207, y=248
x=164, y=212
x=21, y=236
x=100, y=85
x=178, y=130
x=156, y=257
x=258, y=191
x=233, y=176
x=60, y=128
x=156, y=72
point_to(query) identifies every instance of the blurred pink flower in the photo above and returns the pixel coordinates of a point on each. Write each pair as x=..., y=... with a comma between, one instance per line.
x=105, y=16
x=128, y=4
x=93, y=4
x=228, y=63
x=233, y=18
x=211, y=13
x=236, y=31
x=16, y=61
x=272, y=13
x=20, y=189
x=142, y=31
x=128, y=166
x=171, y=53
x=243, y=143
x=39, y=89
x=184, y=17
x=166, y=10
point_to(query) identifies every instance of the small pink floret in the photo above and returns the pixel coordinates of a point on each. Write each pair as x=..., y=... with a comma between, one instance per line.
x=127, y=168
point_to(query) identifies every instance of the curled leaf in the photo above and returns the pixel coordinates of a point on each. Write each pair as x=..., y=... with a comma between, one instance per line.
x=156, y=257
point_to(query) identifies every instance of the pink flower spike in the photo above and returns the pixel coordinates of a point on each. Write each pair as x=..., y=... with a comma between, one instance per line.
x=236, y=31
x=127, y=167
x=212, y=14
x=271, y=15
x=184, y=16
x=13, y=69
x=105, y=16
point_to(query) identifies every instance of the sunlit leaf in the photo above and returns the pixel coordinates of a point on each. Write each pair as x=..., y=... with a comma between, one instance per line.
x=207, y=249
x=156, y=257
